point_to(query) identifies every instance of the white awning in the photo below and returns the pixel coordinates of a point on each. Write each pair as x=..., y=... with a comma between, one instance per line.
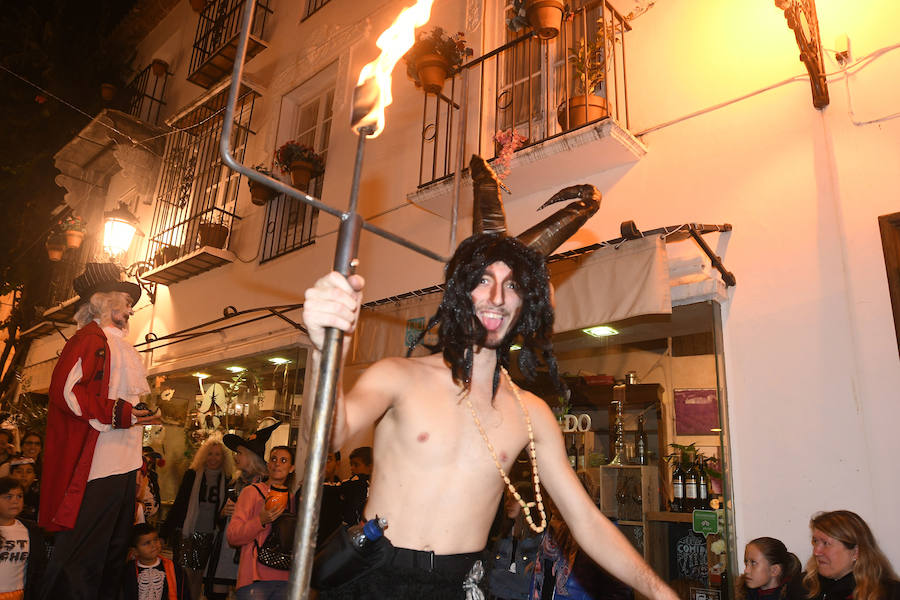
x=612, y=283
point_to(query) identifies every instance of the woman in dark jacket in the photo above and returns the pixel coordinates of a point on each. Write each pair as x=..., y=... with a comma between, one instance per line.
x=847, y=562
x=195, y=516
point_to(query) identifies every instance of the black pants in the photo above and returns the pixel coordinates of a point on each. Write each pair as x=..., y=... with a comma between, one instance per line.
x=409, y=575
x=87, y=561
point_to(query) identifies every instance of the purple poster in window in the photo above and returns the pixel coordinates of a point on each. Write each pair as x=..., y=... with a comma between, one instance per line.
x=696, y=412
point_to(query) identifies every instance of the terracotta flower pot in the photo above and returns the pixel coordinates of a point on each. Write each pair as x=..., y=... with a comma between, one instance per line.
x=213, y=234
x=260, y=194
x=198, y=5
x=159, y=67
x=545, y=17
x=107, y=91
x=55, y=249
x=301, y=173
x=74, y=238
x=165, y=255
x=432, y=70
x=582, y=109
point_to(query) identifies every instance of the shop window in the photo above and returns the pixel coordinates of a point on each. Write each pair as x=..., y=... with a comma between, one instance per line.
x=306, y=116
x=236, y=395
x=890, y=245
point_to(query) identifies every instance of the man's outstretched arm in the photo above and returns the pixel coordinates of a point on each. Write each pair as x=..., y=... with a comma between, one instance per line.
x=595, y=534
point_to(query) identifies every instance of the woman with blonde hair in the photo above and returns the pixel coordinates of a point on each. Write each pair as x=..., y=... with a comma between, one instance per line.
x=847, y=562
x=195, y=517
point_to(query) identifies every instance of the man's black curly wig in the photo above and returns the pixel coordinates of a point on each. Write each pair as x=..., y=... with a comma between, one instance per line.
x=459, y=331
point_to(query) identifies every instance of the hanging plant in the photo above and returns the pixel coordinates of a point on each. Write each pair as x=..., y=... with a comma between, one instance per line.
x=301, y=161
x=433, y=57
x=72, y=228
x=56, y=246
x=260, y=193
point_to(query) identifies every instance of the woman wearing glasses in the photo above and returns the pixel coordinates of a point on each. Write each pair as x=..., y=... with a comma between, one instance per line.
x=258, y=506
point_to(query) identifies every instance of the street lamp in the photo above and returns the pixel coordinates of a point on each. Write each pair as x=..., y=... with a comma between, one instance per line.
x=119, y=227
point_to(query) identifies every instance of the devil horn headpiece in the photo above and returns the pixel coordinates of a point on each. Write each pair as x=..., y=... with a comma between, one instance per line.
x=546, y=236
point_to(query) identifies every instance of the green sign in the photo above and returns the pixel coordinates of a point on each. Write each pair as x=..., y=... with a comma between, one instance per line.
x=706, y=522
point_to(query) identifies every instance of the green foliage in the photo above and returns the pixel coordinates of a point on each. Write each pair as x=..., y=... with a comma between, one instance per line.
x=451, y=47
x=292, y=151
x=588, y=60
x=72, y=223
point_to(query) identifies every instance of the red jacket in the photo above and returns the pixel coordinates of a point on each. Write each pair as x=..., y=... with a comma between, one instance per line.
x=69, y=447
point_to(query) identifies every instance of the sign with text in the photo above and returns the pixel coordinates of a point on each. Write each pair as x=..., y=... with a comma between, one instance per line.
x=706, y=522
x=705, y=594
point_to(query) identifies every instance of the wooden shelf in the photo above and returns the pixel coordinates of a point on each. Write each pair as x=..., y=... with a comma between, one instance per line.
x=671, y=517
x=596, y=397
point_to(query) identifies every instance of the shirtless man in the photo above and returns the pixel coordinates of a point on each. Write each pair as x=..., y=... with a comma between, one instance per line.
x=435, y=480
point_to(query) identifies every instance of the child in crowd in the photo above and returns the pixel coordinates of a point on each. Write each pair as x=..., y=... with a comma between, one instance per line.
x=22, y=469
x=258, y=506
x=150, y=576
x=21, y=546
x=770, y=572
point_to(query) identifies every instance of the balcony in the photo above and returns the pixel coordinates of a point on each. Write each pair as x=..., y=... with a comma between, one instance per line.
x=531, y=86
x=145, y=94
x=215, y=45
x=190, y=247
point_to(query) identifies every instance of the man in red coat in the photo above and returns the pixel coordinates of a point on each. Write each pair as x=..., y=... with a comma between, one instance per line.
x=93, y=445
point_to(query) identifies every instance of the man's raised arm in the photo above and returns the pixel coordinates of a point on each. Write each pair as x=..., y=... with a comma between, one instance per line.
x=334, y=301
x=595, y=534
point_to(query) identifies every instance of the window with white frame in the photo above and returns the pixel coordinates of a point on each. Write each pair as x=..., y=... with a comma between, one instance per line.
x=306, y=115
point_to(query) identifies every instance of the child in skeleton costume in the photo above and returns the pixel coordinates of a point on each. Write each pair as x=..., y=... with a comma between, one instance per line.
x=150, y=576
x=93, y=441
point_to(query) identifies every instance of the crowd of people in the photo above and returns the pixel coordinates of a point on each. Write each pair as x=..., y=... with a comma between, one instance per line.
x=207, y=545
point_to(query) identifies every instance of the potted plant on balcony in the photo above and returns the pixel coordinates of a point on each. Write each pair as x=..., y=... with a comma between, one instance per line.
x=159, y=67
x=55, y=245
x=301, y=161
x=165, y=254
x=260, y=193
x=588, y=60
x=198, y=5
x=433, y=57
x=72, y=228
x=544, y=16
x=212, y=231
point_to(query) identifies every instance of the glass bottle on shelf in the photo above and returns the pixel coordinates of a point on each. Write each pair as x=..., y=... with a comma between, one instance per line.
x=573, y=453
x=581, y=460
x=640, y=443
x=702, y=486
x=690, y=488
x=677, y=488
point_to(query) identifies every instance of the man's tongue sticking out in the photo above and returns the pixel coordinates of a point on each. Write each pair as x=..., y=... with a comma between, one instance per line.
x=491, y=321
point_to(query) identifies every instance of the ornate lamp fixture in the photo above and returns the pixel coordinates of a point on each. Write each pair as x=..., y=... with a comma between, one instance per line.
x=119, y=227
x=801, y=18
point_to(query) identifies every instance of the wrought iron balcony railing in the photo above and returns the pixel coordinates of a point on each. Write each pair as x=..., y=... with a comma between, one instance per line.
x=215, y=45
x=211, y=228
x=540, y=88
x=146, y=94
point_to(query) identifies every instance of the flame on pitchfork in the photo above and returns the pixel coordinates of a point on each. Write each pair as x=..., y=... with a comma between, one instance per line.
x=394, y=42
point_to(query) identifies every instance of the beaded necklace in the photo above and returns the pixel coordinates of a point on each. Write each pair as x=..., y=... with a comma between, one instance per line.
x=532, y=456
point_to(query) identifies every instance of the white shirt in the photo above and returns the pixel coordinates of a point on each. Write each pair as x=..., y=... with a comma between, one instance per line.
x=119, y=450
x=14, y=552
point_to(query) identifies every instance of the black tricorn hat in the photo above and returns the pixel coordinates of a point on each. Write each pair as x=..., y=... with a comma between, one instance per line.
x=255, y=442
x=104, y=277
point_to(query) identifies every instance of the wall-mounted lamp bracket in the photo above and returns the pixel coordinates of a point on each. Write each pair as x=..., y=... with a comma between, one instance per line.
x=136, y=270
x=802, y=19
